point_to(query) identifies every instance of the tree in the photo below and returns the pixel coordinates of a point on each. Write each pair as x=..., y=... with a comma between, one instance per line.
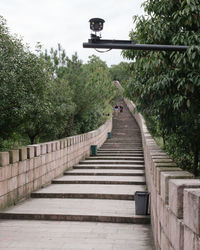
x=91, y=88
x=121, y=72
x=23, y=82
x=166, y=85
x=46, y=96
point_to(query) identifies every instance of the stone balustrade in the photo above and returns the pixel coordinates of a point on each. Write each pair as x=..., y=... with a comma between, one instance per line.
x=27, y=169
x=175, y=197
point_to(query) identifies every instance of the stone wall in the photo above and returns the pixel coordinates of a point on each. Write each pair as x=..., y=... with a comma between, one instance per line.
x=30, y=168
x=175, y=197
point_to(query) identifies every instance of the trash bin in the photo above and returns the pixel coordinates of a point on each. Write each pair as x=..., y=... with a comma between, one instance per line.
x=109, y=135
x=141, y=202
x=93, y=150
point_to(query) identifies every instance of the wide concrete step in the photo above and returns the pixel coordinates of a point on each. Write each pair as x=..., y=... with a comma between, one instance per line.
x=120, y=154
x=89, y=191
x=115, y=162
x=109, y=166
x=126, y=128
x=117, y=152
x=70, y=235
x=121, y=147
x=114, y=180
x=122, y=144
x=131, y=150
x=98, y=157
x=106, y=172
x=125, y=132
x=128, y=139
x=110, y=143
x=116, y=211
x=125, y=138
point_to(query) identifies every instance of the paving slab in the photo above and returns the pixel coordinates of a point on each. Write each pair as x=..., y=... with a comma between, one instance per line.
x=66, y=235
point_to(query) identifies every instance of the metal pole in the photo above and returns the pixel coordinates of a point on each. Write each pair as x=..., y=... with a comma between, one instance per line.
x=123, y=44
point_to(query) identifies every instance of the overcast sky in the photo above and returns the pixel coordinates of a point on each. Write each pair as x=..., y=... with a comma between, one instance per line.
x=66, y=22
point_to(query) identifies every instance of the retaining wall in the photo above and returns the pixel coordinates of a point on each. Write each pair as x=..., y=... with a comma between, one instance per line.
x=30, y=168
x=175, y=197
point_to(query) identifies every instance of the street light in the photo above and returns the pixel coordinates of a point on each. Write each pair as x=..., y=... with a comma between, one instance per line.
x=96, y=25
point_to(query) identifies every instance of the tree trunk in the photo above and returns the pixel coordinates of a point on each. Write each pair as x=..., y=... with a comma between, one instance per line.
x=163, y=137
x=32, y=138
x=196, y=160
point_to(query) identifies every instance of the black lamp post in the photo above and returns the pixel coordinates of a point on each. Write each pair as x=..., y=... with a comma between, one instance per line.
x=96, y=25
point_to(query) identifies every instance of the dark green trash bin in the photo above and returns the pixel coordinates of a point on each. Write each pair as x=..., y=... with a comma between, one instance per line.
x=93, y=150
x=109, y=135
x=141, y=202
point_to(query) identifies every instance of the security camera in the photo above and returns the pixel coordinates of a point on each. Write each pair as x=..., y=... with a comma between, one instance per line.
x=96, y=24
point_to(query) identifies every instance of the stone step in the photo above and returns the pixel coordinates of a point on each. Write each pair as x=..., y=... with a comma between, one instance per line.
x=132, y=129
x=109, y=166
x=120, y=147
x=115, y=162
x=125, y=143
x=127, y=139
x=120, y=154
x=89, y=191
x=73, y=235
x=114, y=180
x=99, y=182
x=115, y=211
x=120, y=150
x=82, y=196
x=99, y=157
x=125, y=132
x=122, y=143
x=105, y=172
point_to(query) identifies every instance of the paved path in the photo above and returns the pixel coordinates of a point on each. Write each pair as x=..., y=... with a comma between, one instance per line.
x=92, y=206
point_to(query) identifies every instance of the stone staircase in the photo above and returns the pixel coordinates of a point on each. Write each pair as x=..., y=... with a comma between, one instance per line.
x=100, y=188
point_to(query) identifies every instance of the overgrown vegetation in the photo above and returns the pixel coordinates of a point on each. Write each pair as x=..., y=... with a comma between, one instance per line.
x=166, y=85
x=121, y=72
x=47, y=95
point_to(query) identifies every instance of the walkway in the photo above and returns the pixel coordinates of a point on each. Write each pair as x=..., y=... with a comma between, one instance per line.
x=73, y=212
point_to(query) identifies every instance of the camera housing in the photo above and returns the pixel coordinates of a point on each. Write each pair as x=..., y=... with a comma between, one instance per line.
x=96, y=24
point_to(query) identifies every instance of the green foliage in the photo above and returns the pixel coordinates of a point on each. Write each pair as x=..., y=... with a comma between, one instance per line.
x=166, y=85
x=23, y=82
x=92, y=90
x=48, y=95
x=120, y=72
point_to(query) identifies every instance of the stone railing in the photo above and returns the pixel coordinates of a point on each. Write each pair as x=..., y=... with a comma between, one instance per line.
x=175, y=197
x=29, y=168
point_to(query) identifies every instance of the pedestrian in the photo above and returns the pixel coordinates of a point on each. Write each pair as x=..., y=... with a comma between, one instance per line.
x=116, y=110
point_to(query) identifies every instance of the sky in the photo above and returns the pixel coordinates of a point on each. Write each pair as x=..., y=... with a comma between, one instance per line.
x=67, y=22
